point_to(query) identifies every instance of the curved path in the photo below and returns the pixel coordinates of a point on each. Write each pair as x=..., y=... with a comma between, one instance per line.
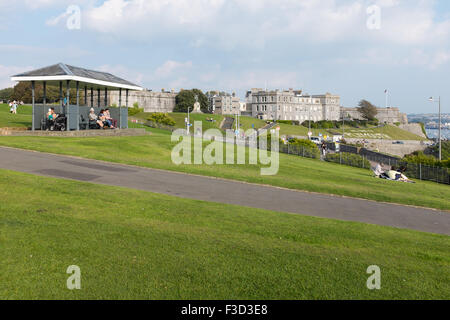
x=226, y=191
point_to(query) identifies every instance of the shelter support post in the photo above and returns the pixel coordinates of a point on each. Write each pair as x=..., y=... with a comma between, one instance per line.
x=120, y=106
x=98, y=98
x=67, y=105
x=77, y=114
x=106, y=97
x=60, y=93
x=126, y=100
x=45, y=94
x=85, y=96
x=92, y=97
x=78, y=93
x=33, y=102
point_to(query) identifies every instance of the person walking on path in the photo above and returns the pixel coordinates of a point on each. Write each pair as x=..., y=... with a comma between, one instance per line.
x=14, y=107
x=324, y=150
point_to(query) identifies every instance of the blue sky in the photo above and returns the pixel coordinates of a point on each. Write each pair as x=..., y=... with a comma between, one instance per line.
x=233, y=45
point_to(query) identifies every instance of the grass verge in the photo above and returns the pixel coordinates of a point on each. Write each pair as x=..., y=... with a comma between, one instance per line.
x=132, y=244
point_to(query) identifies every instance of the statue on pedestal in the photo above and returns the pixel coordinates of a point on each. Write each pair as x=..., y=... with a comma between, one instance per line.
x=197, y=106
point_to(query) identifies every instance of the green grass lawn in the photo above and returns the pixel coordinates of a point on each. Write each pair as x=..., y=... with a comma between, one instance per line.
x=386, y=132
x=247, y=122
x=132, y=244
x=20, y=120
x=295, y=172
x=180, y=118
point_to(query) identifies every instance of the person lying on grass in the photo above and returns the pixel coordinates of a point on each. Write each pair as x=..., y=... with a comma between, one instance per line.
x=392, y=174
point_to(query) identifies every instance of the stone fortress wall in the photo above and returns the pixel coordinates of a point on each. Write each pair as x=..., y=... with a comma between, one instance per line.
x=151, y=101
x=385, y=115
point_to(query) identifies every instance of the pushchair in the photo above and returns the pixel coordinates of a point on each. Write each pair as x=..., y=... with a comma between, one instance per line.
x=59, y=124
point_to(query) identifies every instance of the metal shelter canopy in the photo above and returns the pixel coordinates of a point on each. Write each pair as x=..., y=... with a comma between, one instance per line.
x=74, y=77
x=63, y=72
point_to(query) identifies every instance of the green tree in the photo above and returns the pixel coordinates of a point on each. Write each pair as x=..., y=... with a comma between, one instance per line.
x=22, y=92
x=6, y=94
x=186, y=99
x=367, y=110
x=434, y=150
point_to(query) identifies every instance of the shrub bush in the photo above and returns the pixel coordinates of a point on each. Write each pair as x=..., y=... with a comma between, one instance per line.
x=290, y=122
x=161, y=118
x=302, y=142
x=425, y=159
x=303, y=147
x=135, y=110
x=326, y=124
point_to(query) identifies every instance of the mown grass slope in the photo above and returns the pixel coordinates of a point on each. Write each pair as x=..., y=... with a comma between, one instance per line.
x=136, y=245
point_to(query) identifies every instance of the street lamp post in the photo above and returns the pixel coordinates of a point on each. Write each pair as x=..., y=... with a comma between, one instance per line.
x=440, y=125
x=309, y=119
x=188, y=121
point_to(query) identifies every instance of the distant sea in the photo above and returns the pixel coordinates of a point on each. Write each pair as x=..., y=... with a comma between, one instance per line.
x=434, y=133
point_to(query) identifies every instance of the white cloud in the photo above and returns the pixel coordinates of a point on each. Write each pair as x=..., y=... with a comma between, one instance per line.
x=205, y=33
x=70, y=51
x=431, y=60
x=170, y=67
x=55, y=20
x=123, y=72
x=7, y=71
x=439, y=59
x=410, y=22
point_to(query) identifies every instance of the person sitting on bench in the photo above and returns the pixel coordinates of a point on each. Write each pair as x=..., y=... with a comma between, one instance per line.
x=93, y=117
x=102, y=117
x=51, y=118
x=111, y=120
x=52, y=114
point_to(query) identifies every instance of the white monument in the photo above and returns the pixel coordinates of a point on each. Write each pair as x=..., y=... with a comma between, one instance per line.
x=197, y=106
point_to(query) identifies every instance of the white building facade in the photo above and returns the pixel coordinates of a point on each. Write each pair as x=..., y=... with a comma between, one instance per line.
x=293, y=105
x=224, y=103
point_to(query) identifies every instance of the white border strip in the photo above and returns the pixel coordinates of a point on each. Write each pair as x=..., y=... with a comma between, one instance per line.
x=77, y=78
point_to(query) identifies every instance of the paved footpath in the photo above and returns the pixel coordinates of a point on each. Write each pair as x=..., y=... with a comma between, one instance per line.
x=226, y=191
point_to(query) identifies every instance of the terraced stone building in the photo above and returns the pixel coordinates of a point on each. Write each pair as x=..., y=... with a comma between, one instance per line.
x=295, y=105
x=292, y=105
